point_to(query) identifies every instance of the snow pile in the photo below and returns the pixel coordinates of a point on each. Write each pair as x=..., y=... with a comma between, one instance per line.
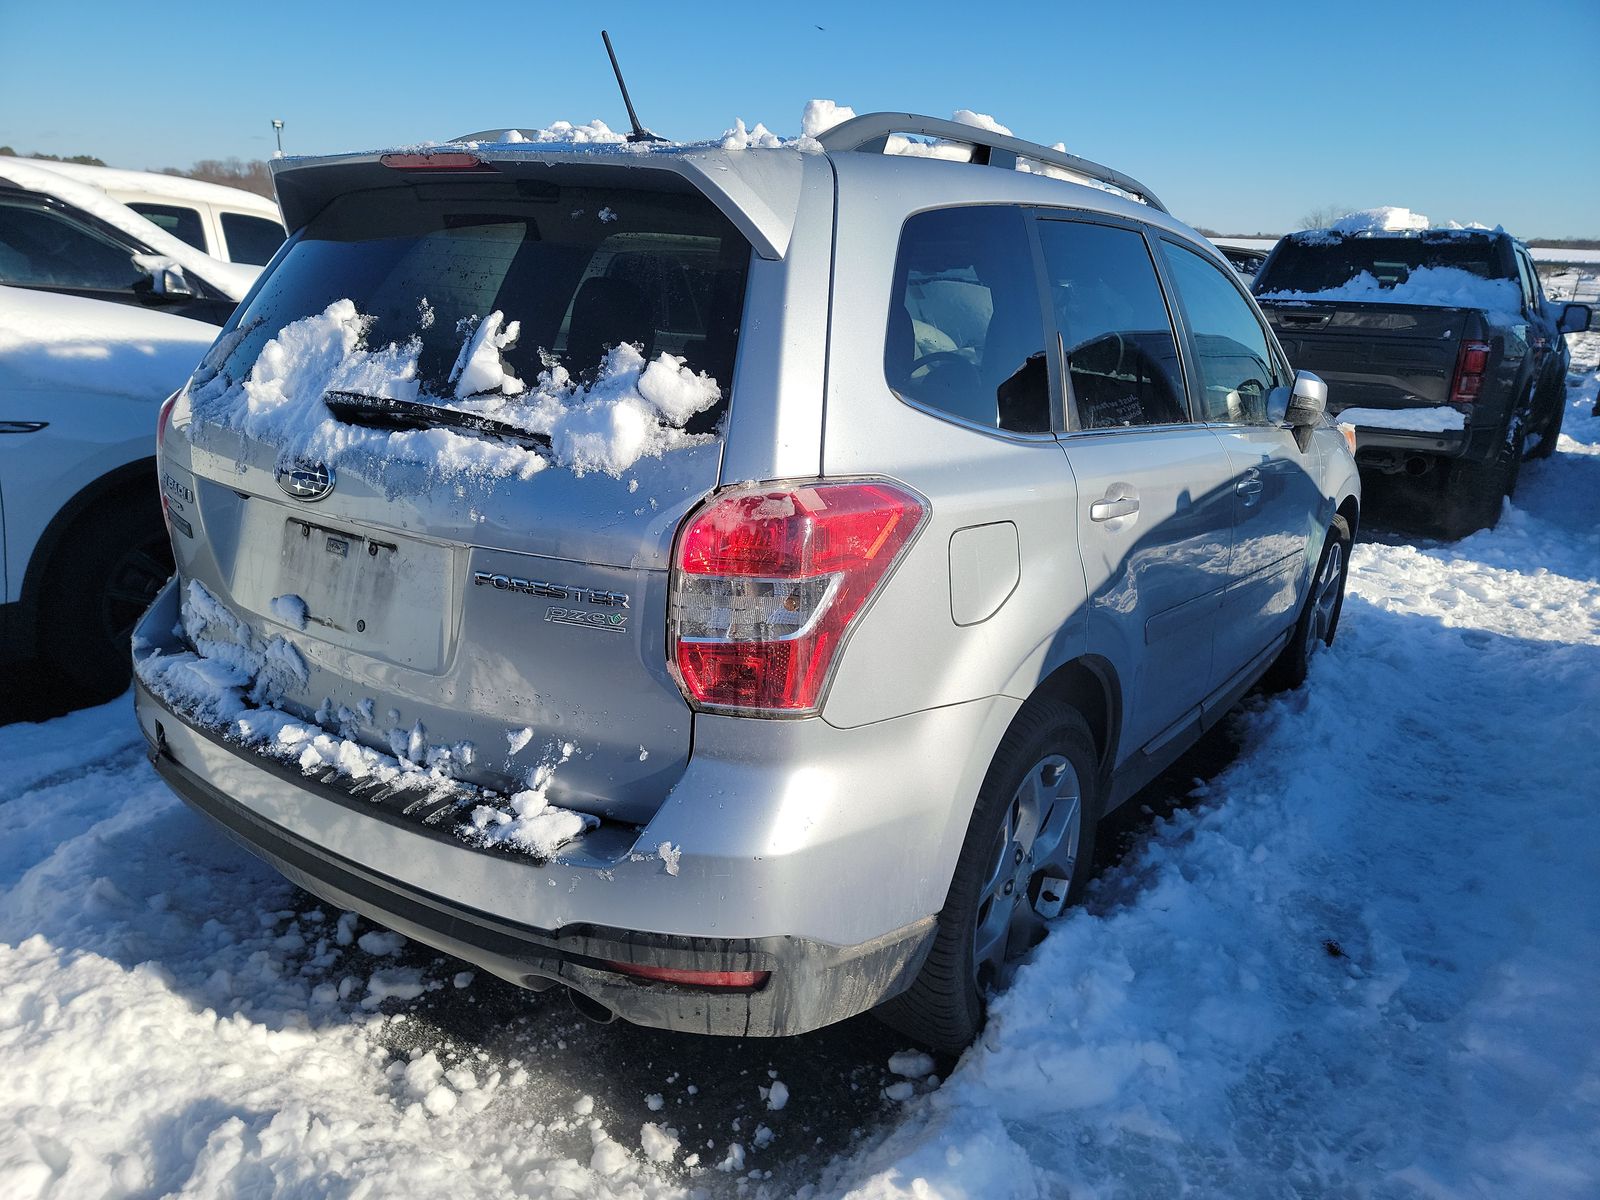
x=631, y=410
x=1438, y=419
x=1429, y=287
x=526, y=820
x=758, y=138
x=819, y=116
x=234, y=680
x=1387, y=219
x=595, y=132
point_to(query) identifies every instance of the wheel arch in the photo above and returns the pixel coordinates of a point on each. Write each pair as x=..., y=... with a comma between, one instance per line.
x=1090, y=685
x=122, y=484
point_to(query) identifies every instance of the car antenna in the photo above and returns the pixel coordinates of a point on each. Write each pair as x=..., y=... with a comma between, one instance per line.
x=640, y=133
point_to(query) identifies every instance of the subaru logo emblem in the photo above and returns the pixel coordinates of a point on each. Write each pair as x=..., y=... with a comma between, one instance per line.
x=306, y=481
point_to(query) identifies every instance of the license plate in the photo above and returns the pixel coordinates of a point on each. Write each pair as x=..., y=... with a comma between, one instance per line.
x=385, y=596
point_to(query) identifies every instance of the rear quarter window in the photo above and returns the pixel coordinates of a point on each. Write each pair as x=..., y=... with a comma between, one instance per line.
x=965, y=333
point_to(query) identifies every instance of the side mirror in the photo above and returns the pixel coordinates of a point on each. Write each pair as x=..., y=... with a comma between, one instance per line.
x=1575, y=318
x=1308, y=400
x=172, y=282
x=167, y=280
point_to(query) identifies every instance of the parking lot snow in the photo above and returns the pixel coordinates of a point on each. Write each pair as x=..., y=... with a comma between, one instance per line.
x=1363, y=963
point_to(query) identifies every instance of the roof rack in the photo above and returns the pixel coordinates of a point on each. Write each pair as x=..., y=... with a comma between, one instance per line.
x=870, y=133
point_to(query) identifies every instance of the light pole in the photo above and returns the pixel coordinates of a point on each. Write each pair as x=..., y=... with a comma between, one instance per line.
x=277, y=128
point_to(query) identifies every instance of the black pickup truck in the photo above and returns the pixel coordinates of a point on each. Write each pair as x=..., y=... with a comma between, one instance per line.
x=1437, y=345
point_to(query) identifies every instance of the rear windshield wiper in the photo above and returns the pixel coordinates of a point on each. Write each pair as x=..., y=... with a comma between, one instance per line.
x=385, y=412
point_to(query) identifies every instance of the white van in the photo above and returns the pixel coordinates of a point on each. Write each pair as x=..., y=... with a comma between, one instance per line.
x=226, y=222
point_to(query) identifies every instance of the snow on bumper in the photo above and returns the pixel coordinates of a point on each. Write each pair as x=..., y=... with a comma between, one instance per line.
x=796, y=871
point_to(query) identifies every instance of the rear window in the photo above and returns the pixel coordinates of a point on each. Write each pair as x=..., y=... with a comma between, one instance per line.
x=1322, y=262
x=252, y=240
x=581, y=268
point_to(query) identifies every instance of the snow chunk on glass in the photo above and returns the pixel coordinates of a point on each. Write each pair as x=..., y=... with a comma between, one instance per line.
x=631, y=409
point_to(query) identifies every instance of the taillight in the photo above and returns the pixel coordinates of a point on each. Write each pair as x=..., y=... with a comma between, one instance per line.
x=768, y=581
x=1472, y=361
x=163, y=416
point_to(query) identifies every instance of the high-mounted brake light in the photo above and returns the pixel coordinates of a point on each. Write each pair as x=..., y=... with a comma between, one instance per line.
x=745, y=981
x=1472, y=361
x=769, y=580
x=449, y=161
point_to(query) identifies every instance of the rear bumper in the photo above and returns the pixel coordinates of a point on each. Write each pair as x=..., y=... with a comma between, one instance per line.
x=817, y=854
x=1449, y=444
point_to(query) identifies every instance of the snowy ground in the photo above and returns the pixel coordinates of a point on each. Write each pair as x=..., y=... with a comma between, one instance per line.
x=1362, y=962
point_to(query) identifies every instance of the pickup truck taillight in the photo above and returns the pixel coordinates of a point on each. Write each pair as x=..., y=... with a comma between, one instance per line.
x=1472, y=360
x=769, y=579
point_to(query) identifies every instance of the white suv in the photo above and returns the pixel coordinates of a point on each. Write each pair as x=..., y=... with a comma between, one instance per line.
x=730, y=584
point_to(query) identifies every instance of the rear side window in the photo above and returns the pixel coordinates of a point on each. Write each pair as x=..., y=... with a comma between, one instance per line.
x=181, y=222
x=965, y=333
x=580, y=269
x=252, y=240
x=41, y=247
x=1237, y=367
x=1116, y=332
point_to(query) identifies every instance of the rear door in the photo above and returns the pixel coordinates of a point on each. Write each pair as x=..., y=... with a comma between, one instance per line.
x=1276, y=506
x=1155, y=514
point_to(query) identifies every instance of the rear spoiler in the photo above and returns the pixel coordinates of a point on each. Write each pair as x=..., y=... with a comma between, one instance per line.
x=757, y=190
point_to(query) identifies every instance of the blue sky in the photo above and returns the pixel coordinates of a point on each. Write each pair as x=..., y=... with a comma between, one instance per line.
x=1242, y=116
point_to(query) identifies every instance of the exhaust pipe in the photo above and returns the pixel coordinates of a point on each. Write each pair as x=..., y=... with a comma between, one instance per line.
x=590, y=1008
x=1417, y=465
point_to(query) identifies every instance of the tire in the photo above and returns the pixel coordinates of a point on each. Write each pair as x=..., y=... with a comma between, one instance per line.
x=106, y=572
x=1319, y=616
x=1552, y=429
x=1474, y=490
x=1002, y=893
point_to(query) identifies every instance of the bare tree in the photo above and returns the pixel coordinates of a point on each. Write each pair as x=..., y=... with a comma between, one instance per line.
x=1321, y=218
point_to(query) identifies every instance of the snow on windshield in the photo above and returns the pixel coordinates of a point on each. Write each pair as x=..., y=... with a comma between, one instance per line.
x=632, y=409
x=1434, y=287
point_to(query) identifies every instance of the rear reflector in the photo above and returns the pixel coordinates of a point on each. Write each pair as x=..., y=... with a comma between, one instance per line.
x=768, y=581
x=451, y=161
x=739, y=980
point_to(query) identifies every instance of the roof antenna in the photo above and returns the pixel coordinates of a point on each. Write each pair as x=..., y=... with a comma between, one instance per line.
x=640, y=133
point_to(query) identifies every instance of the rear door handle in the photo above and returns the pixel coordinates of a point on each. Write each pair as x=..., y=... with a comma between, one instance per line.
x=22, y=426
x=1249, y=487
x=1113, y=507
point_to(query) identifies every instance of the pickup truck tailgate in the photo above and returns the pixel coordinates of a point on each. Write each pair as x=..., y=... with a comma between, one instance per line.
x=1373, y=355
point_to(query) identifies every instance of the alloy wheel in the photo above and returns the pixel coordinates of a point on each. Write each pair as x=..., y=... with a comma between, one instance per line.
x=1031, y=871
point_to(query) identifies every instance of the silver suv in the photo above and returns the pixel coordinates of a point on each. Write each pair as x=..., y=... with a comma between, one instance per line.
x=730, y=584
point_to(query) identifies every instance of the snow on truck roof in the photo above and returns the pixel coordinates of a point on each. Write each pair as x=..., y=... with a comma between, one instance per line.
x=153, y=183
x=753, y=175
x=232, y=279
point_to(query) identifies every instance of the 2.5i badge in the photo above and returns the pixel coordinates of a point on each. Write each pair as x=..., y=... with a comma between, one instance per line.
x=615, y=622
